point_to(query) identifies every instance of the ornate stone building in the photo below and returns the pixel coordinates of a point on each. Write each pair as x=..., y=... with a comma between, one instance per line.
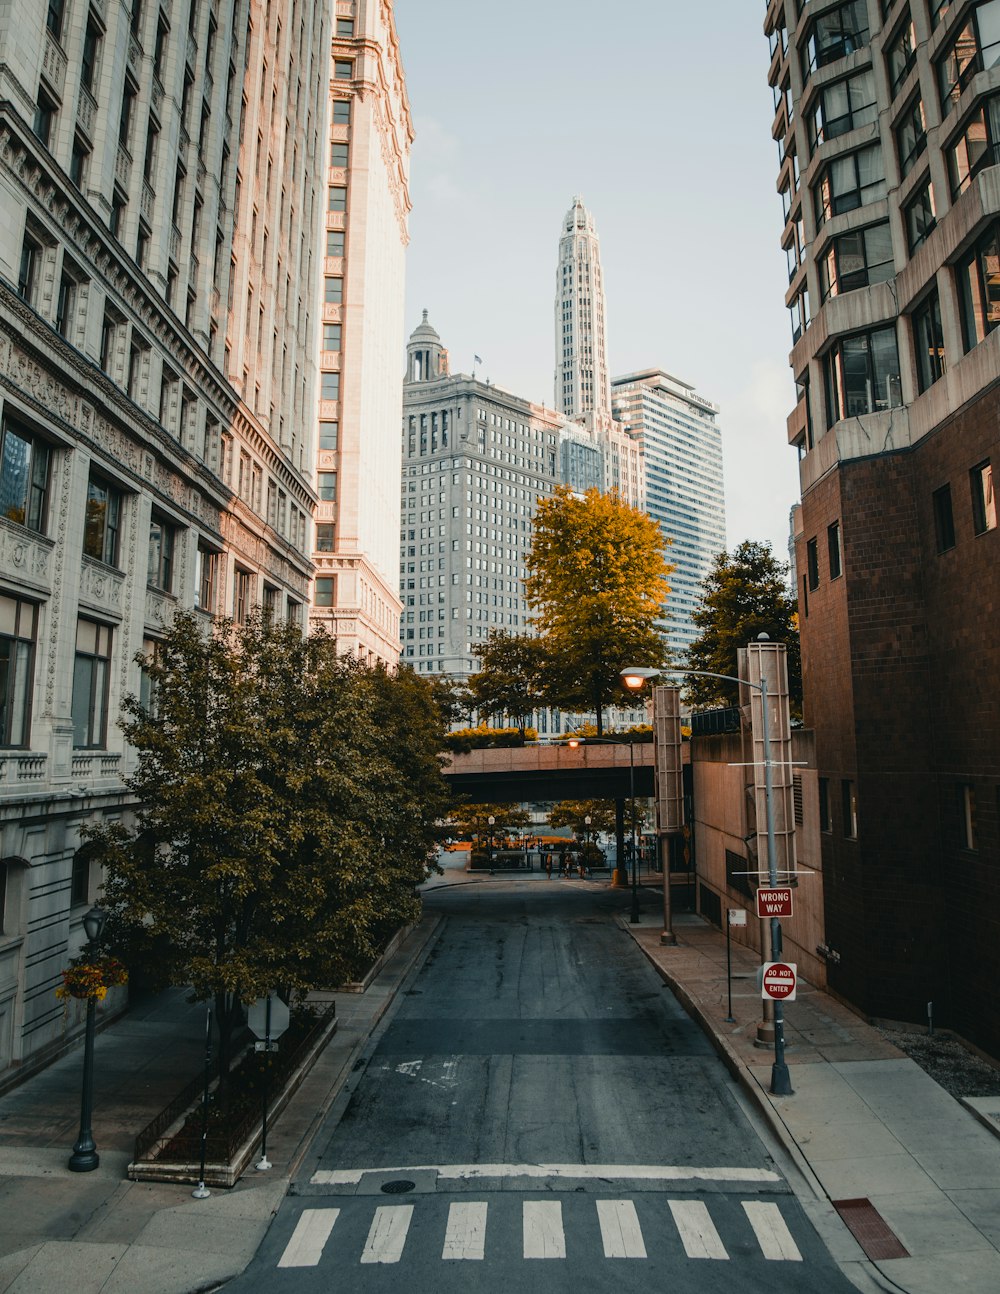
x=159, y=178
x=356, y=594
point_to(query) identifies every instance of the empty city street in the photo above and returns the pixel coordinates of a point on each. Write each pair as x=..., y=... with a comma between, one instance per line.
x=539, y=1113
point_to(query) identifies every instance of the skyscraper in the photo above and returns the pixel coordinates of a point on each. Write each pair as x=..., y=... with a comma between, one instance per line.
x=886, y=117
x=582, y=385
x=681, y=442
x=157, y=341
x=365, y=236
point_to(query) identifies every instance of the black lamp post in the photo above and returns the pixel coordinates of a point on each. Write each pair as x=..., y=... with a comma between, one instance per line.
x=491, y=820
x=85, y=1158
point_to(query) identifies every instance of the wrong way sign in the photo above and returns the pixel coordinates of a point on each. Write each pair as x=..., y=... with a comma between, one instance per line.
x=778, y=981
x=774, y=901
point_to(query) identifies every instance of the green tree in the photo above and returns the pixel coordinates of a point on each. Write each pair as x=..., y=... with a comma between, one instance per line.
x=472, y=821
x=509, y=682
x=289, y=805
x=571, y=813
x=597, y=584
x=745, y=594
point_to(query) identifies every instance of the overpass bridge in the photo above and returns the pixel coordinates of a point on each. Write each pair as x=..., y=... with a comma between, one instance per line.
x=556, y=772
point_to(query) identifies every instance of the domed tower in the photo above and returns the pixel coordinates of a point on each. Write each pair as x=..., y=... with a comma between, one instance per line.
x=426, y=358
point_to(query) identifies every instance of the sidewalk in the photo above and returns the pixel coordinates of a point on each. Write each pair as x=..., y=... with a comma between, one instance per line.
x=865, y=1123
x=102, y=1234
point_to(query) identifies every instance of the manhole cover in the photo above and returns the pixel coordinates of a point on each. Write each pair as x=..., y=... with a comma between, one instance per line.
x=399, y=1187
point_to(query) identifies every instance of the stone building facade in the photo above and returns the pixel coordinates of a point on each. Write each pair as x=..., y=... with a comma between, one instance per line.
x=157, y=334
x=885, y=116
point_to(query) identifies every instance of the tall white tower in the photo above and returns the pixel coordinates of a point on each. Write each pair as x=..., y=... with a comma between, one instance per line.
x=582, y=382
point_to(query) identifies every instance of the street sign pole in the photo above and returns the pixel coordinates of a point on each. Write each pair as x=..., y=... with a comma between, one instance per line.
x=781, y=1080
x=264, y=1163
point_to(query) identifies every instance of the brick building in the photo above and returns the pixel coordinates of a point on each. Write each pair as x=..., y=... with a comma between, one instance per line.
x=888, y=119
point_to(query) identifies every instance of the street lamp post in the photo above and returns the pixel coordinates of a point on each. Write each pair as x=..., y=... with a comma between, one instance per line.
x=491, y=820
x=85, y=1158
x=634, y=679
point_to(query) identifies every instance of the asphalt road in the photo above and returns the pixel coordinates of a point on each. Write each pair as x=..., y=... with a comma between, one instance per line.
x=540, y=1114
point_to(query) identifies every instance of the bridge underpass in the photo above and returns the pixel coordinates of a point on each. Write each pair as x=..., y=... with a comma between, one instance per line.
x=556, y=772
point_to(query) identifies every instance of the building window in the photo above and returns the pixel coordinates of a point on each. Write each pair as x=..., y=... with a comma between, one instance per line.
x=928, y=341
x=834, y=550
x=24, y=476
x=920, y=216
x=825, y=816
x=18, y=631
x=848, y=182
x=328, y=435
x=799, y=313
x=331, y=336
x=271, y=604
x=341, y=112
x=45, y=115
x=343, y=69
x=91, y=680
x=901, y=54
x=54, y=17
x=967, y=817
x=977, y=147
x=327, y=486
x=336, y=198
x=345, y=28
x=207, y=579
x=973, y=49
x=979, y=288
x=129, y=94
x=294, y=612
x=329, y=386
x=325, y=537
x=160, y=563
x=88, y=61
x=843, y=106
x=333, y=291
x=66, y=305
x=835, y=34
x=862, y=374
x=324, y=590
x=81, y=886
x=944, y=520
x=334, y=242
x=102, y=522
x=812, y=564
x=338, y=154
x=849, y=805
x=242, y=595
x=911, y=136
x=27, y=277
x=984, y=508
x=857, y=260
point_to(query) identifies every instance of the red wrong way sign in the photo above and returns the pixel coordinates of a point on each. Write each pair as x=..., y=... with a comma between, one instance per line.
x=778, y=981
x=774, y=901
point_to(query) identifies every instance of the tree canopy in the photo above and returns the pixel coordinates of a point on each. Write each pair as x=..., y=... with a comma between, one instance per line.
x=510, y=677
x=289, y=805
x=745, y=594
x=597, y=584
x=572, y=813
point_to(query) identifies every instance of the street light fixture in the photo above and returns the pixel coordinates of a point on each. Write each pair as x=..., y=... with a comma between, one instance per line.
x=491, y=820
x=634, y=678
x=85, y=1158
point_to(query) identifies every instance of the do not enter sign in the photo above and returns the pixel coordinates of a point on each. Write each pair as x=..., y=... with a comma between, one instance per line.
x=778, y=981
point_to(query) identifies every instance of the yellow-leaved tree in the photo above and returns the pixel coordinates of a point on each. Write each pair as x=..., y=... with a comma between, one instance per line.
x=597, y=584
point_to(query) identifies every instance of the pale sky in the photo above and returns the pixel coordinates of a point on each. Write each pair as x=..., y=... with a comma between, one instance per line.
x=658, y=113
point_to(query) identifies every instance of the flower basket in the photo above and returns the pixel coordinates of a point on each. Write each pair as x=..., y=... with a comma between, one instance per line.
x=85, y=979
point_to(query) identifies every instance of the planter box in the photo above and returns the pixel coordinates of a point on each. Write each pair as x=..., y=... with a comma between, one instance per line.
x=228, y=1174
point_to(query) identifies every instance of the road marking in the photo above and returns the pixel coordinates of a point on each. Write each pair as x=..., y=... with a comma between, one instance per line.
x=697, y=1230
x=772, y=1233
x=388, y=1234
x=466, y=1234
x=311, y=1233
x=620, y=1230
x=543, y=1229
x=583, y=1172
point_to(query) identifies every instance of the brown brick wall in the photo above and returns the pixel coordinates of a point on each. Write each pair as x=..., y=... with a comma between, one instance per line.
x=901, y=672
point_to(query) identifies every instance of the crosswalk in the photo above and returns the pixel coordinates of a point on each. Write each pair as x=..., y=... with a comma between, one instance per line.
x=543, y=1231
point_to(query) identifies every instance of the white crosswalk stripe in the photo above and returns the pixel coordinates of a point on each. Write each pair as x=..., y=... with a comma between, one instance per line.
x=620, y=1230
x=772, y=1232
x=311, y=1233
x=388, y=1234
x=543, y=1229
x=697, y=1230
x=543, y=1232
x=466, y=1234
